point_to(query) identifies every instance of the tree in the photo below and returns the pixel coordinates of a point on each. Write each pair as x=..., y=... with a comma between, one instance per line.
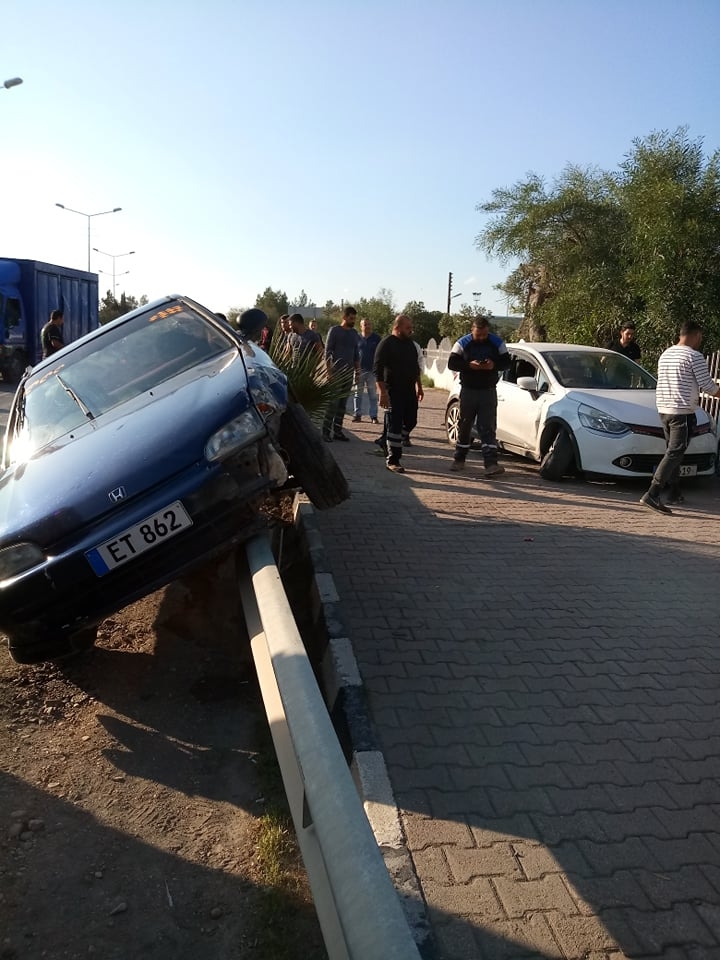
x=380, y=310
x=596, y=248
x=273, y=302
x=301, y=300
x=426, y=323
x=110, y=308
x=456, y=325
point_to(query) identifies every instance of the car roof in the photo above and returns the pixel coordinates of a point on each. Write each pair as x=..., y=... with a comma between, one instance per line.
x=118, y=321
x=553, y=347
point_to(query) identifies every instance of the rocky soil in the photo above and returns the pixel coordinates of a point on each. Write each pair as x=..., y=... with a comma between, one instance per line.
x=131, y=794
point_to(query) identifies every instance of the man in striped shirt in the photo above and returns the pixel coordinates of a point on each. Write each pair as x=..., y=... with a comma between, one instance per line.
x=682, y=376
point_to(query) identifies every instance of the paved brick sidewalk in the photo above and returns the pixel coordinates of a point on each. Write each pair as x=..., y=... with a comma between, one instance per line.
x=542, y=667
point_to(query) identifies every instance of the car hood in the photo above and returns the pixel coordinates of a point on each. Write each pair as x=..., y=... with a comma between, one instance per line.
x=137, y=445
x=629, y=406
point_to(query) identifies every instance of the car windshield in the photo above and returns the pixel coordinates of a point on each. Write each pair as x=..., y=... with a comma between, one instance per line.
x=595, y=370
x=126, y=361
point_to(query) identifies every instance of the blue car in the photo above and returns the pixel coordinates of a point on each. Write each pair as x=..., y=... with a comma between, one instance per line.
x=130, y=457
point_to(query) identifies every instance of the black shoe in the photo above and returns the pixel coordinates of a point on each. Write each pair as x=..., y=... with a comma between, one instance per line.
x=374, y=420
x=675, y=497
x=396, y=467
x=654, y=503
x=357, y=419
x=341, y=436
x=406, y=442
x=326, y=437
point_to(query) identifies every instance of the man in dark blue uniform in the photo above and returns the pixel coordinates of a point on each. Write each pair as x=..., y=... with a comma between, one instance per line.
x=479, y=356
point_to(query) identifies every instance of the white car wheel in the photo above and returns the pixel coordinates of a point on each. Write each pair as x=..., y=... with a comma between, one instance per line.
x=452, y=421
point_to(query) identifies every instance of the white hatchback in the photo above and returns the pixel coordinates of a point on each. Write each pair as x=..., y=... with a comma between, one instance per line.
x=577, y=409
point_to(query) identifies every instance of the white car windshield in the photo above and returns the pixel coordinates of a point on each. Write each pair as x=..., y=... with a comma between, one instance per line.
x=595, y=370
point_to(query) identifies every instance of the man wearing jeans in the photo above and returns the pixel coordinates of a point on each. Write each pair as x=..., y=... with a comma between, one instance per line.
x=343, y=356
x=682, y=376
x=365, y=379
x=478, y=357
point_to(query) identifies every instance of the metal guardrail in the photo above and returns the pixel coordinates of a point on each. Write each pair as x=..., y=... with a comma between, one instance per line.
x=357, y=906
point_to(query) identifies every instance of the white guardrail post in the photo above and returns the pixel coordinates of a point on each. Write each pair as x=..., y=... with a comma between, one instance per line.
x=357, y=905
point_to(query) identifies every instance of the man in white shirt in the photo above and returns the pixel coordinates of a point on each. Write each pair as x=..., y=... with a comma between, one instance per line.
x=682, y=376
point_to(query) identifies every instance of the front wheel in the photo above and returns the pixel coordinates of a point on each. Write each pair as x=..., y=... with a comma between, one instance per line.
x=311, y=463
x=452, y=421
x=560, y=458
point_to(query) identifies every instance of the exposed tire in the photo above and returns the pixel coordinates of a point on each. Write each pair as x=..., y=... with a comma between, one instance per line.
x=452, y=421
x=717, y=461
x=560, y=458
x=311, y=463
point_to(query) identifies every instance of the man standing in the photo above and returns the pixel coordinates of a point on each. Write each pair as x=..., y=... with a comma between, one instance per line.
x=627, y=344
x=366, y=378
x=479, y=356
x=303, y=340
x=682, y=376
x=51, y=337
x=397, y=373
x=342, y=354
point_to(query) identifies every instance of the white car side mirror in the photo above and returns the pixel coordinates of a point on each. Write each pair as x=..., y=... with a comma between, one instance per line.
x=528, y=383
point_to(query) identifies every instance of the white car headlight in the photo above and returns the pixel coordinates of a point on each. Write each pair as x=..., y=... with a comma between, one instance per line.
x=18, y=558
x=601, y=422
x=234, y=435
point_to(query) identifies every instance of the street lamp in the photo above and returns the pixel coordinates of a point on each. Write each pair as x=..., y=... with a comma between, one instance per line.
x=114, y=258
x=12, y=82
x=108, y=274
x=89, y=216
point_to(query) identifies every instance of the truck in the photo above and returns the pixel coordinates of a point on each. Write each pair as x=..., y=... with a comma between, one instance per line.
x=29, y=292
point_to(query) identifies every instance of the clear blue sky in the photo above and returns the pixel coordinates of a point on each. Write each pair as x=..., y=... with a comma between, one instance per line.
x=336, y=146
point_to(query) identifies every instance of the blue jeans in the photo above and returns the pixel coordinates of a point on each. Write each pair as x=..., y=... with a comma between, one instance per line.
x=365, y=380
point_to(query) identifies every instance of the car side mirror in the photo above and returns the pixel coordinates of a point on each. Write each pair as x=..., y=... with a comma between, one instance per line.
x=528, y=383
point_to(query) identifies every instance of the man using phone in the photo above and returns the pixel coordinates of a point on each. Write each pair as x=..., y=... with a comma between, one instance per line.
x=478, y=357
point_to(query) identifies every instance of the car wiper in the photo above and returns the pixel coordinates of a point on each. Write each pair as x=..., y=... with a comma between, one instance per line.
x=69, y=390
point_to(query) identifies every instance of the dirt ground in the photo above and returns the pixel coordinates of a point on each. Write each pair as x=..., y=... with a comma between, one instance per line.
x=131, y=791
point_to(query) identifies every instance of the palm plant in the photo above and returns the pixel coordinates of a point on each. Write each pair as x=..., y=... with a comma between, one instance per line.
x=310, y=381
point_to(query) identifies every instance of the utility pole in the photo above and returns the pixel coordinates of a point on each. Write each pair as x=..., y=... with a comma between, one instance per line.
x=449, y=293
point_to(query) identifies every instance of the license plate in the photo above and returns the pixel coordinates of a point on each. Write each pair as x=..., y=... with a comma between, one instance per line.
x=689, y=470
x=139, y=538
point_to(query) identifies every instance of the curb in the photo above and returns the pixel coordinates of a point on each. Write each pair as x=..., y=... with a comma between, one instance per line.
x=346, y=699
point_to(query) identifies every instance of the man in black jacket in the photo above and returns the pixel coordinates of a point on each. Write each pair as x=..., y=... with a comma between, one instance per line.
x=479, y=356
x=397, y=371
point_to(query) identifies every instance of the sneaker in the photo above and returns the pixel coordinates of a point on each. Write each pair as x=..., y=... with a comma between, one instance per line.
x=341, y=436
x=457, y=466
x=494, y=470
x=327, y=438
x=374, y=420
x=396, y=467
x=356, y=419
x=654, y=503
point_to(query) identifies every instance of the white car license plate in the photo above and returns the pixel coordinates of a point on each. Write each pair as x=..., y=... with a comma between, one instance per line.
x=137, y=539
x=689, y=470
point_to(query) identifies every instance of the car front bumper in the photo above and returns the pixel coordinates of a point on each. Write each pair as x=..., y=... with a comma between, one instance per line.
x=41, y=609
x=636, y=455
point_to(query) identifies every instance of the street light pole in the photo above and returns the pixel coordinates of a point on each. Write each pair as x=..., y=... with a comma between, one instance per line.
x=89, y=216
x=114, y=257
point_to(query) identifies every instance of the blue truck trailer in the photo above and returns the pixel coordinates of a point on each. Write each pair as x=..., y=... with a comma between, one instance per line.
x=29, y=291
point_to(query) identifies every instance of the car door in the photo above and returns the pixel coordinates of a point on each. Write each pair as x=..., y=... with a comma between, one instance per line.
x=521, y=413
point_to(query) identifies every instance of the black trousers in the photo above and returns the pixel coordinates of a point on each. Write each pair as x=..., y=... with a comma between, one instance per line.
x=401, y=414
x=480, y=405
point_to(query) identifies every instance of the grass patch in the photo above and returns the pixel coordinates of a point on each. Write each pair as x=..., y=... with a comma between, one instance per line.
x=284, y=915
x=426, y=380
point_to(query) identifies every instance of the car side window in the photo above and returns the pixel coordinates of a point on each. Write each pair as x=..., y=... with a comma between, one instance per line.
x=519, y=367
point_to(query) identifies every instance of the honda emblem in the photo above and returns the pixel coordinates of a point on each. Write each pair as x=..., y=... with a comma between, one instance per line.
x=117, y=494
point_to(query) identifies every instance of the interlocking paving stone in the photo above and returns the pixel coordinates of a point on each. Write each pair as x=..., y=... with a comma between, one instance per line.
x=542, y=664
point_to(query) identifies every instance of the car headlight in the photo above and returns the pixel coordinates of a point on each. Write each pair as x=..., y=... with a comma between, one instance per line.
x=601, y=422
x=18, y=558
x=234, y=435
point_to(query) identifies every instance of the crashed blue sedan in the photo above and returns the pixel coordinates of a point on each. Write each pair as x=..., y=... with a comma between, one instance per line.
x=130, y=456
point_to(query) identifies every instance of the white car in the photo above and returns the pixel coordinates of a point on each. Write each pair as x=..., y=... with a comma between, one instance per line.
x=577, y=409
